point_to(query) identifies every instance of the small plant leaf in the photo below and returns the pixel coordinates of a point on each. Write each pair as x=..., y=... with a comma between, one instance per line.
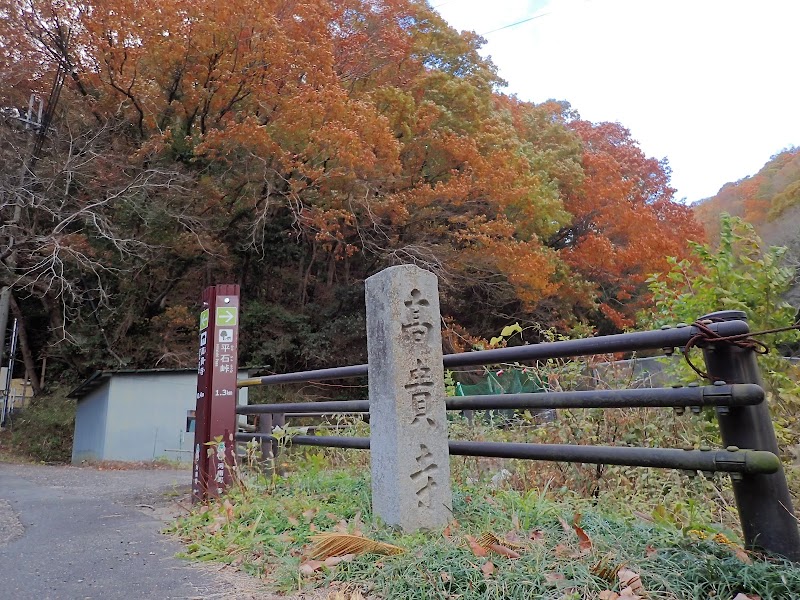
x=510, y=330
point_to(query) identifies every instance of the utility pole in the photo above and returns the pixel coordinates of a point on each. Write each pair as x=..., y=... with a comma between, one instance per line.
x=37, y=121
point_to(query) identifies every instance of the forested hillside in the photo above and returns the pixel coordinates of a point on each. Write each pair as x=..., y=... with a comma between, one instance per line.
x=769, y=200
x=296, y=148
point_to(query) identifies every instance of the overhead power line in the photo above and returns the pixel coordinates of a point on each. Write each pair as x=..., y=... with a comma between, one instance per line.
x=516, y=23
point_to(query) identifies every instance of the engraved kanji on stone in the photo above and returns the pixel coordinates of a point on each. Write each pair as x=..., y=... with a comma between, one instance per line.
x=419, y=384
x=414, y=325
x=423, y=477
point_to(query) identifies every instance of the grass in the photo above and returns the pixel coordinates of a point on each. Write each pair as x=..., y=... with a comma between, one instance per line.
x=43, y=431
x=264, y=527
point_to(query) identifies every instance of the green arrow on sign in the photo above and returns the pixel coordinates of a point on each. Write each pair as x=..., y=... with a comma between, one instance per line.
x=226, y=315
x=204, y=319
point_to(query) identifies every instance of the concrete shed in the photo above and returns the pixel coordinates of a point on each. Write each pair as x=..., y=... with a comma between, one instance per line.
x=137, y=415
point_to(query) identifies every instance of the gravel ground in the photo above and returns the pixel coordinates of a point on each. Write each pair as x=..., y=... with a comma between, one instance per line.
x=85, y=533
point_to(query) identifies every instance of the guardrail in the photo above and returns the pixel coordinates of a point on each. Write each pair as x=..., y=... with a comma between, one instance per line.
x=750, y=454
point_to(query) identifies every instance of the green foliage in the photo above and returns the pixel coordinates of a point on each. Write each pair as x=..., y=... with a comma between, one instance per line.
x=739, y=274
x=44, y=430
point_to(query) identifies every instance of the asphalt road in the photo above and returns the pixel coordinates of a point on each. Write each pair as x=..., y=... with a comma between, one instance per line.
x=70, y=533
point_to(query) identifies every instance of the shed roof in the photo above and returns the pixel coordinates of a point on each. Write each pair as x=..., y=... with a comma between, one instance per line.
x=98, y=378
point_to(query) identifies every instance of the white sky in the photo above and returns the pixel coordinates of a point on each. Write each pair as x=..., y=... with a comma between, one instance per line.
x=712, y=85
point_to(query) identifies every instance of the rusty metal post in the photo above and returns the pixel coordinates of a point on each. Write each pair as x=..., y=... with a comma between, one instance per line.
x=764, y=502
x=214, y=445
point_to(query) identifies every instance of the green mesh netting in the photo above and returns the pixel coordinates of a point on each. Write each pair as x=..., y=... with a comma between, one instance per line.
x=502, y=382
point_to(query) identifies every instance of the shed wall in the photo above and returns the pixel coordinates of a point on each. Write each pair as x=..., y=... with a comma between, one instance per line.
x=147, y=417
x=90, y=425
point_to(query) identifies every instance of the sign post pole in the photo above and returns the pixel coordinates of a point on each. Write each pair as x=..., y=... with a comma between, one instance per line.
x=215, y=426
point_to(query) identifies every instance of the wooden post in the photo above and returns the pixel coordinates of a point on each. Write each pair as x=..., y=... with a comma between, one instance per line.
x=215, y=428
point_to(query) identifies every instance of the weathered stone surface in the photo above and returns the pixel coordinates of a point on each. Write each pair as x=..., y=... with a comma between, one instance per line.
x=408, y=423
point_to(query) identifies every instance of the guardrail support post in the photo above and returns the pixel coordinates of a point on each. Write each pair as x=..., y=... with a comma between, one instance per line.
x=764, y=502
x=215, y=426
x=267, y=451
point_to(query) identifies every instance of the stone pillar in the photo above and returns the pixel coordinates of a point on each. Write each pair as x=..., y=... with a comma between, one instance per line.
x=408, y=422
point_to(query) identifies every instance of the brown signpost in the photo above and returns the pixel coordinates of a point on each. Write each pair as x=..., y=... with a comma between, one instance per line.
x=217, y=369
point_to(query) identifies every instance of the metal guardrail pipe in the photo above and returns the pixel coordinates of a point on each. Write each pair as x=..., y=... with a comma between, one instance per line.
x=731, y=460
x=606, y=344
x=330, y=441
x=716, y=395
x=303, y=376
x=622, y=342
x=728, y=461
x=334, y=406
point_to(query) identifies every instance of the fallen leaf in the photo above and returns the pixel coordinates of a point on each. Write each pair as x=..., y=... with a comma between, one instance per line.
x=504, y=551
x=565, y=526
x=629, y=594
x=553, y=577
x=607, y=595
x=580, y=553
x=488, y=569
x=631, y=582
x=742, y=555
x=476, y=548
x=650, y=551
x=338, y=544
x=310, y=513
x=537, y=535
x=606, y=568
x=512, y=538
x=741, y=596
x=292, y=521
x=332, y=561
x=445, y=576
x=446, y=533
x=310, y=566
x=228, y=509
x=584, y=542
x=561, y=550
x=644, y=516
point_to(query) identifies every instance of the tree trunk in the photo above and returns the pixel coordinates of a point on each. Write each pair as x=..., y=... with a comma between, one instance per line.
x=27, y=354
